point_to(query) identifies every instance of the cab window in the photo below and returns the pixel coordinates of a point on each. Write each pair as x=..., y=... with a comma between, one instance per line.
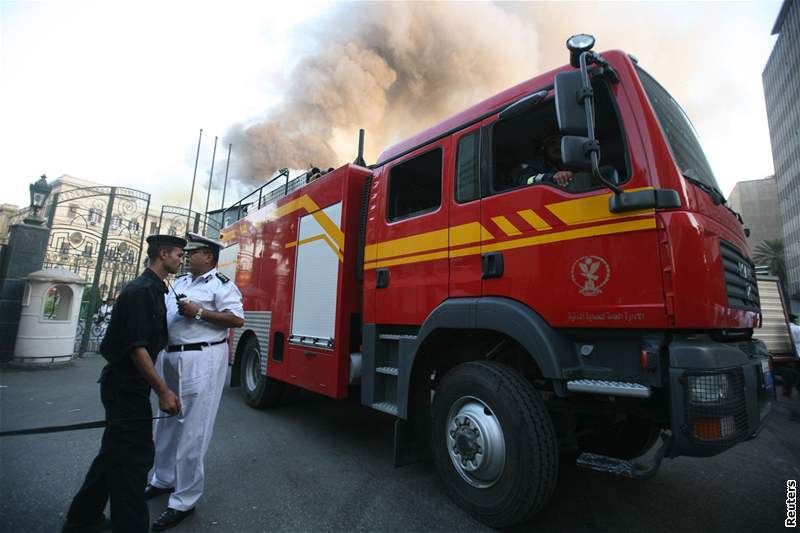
x=415, y=186
x=526, y=148
x=467, y=185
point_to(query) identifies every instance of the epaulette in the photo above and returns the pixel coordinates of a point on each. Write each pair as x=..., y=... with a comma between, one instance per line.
x=222, y=277
x=182, y=275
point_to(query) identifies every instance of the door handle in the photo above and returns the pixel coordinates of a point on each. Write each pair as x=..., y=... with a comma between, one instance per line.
x=382, y=278
x=492, y=265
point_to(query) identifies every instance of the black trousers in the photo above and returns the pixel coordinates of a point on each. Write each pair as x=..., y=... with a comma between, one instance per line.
x=119, y=472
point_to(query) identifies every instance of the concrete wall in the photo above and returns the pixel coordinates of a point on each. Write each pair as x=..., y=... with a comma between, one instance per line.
x=757, y=202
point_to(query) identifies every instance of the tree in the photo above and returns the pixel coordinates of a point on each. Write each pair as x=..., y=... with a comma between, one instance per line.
x=769, y=253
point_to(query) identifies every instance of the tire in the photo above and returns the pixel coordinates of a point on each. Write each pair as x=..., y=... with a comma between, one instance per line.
x=257, y=389
x=625, y=440
x=494, y=444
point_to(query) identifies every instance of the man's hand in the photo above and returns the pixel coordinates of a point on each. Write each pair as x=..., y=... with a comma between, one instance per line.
x=562, y=178
x=168, y=402
x=187, y=308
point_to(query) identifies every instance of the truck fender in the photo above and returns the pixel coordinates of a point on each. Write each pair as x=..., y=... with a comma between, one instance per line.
x=549, y=350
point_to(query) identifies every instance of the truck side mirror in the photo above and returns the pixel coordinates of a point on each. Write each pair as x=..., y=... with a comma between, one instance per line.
x=570, y=112
x=574, y=153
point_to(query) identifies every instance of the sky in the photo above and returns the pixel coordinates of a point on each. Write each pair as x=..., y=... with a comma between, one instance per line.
x=116, y=92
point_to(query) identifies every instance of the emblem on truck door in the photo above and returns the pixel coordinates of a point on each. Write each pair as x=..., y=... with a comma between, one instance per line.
x=590, y=273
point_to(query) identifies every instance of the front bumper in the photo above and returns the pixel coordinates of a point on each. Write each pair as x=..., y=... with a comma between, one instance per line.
x=720, y=394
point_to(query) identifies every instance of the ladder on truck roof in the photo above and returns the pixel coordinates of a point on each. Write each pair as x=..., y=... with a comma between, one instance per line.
x=259, y=198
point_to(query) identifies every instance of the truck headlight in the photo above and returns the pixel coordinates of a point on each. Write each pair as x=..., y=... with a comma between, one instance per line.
x=709, y=388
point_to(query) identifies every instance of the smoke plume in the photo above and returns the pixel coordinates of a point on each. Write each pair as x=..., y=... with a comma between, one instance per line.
x=397, y=68
x=392, y=69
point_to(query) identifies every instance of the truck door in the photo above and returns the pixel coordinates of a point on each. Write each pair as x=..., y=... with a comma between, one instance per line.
x=411, y=257
x=558, y=249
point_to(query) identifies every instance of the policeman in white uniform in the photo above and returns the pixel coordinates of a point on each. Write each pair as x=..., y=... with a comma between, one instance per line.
x=201, y=308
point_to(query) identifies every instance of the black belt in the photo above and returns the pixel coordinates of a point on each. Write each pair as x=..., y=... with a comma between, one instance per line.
x=192, y=347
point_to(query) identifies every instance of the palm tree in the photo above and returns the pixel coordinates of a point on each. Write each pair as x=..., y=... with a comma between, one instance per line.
x=770, y=254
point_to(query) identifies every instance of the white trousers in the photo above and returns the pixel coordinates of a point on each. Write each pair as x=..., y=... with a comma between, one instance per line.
x=181, y=441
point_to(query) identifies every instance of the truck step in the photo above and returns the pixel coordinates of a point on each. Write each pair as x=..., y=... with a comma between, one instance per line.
x=393, y=337
x=642, y=467
x=386, y=407
x=609, y=465
x=388, y=370
x=612, y=388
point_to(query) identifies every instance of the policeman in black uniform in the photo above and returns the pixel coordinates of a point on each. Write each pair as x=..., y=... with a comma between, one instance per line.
x=137, y=333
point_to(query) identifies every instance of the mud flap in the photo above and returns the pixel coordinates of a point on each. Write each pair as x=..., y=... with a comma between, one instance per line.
x=408, y=448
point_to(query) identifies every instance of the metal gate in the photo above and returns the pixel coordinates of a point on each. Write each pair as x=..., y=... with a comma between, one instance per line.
x=98, y=233
x=174, y=219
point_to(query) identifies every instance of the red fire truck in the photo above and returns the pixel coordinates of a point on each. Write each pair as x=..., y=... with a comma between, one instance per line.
x=502, y=316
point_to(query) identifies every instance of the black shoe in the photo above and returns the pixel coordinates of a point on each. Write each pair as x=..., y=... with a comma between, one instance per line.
x=151, y=491
x=101, y=524
x=170, y=518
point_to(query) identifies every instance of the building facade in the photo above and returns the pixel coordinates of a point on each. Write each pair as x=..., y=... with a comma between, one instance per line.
x=7, y=216
x=781, y=80
x=85, y=216
x=757, y=202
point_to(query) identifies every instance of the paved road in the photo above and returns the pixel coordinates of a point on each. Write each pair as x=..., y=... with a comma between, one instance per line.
x=322, y=465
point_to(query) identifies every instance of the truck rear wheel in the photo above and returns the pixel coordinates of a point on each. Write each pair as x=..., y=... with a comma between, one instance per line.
x=494, y=444
x=257, y=389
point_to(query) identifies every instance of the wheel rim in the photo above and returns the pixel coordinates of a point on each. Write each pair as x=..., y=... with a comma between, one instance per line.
x=475, y=442
x=252, y=369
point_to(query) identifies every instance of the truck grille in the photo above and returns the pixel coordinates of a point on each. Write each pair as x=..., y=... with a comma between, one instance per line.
x=740, y=278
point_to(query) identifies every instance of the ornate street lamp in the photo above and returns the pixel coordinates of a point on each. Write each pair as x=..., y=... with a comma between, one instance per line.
x=39, y=193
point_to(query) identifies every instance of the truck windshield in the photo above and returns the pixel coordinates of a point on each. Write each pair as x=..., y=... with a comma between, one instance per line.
x=680, y=134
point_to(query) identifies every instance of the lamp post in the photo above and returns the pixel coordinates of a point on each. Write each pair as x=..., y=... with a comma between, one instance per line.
x=39, y=194
x=24, y=254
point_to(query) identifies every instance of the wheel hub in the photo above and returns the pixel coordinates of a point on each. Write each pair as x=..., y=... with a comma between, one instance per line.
x=253, y=369
x=475, y=442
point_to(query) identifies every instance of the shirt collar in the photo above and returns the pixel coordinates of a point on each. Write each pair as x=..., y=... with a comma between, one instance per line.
x=153, y=277
x=207, y=276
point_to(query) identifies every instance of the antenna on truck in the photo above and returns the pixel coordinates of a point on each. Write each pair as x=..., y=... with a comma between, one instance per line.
x=360, y=159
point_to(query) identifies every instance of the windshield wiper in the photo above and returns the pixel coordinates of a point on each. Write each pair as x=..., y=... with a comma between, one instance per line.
x=715, y=194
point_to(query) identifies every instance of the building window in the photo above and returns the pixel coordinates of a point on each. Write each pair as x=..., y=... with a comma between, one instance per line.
x=116, y=222
x=88, y=250
x=133, y=225
x=415, y=186
x=94, y=216
x=172, y=231
x=64, y=247
x=153, y=228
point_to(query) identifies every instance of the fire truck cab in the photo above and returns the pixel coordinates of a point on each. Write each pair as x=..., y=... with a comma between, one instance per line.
x=550, y=271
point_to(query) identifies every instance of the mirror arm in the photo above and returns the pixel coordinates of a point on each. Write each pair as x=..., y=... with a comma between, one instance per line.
x=593, y=147
x=604, y=69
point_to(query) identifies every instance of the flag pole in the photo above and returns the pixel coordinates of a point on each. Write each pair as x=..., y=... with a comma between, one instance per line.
x=225, y=185
x=208, y=194
x=194, y=176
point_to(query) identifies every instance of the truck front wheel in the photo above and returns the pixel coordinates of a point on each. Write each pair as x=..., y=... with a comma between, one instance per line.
x=494, y=444
x=257, y=389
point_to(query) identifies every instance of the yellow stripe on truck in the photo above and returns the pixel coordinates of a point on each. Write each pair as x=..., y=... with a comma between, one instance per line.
x=536, y=222
x=523, y=242
x=591, y=209
x=504, y=224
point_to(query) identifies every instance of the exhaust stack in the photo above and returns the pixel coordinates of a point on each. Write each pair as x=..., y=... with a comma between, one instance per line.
x=360, y=159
